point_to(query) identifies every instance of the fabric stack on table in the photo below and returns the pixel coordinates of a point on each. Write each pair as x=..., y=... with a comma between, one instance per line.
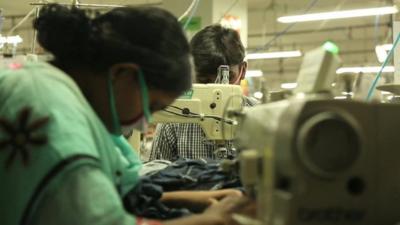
x=183, y=174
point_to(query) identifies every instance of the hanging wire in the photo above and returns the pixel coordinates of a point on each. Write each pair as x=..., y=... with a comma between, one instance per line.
x=190, y=114
x=187, y=10
x=34, y=39
x=21, y=21
x=191, y=14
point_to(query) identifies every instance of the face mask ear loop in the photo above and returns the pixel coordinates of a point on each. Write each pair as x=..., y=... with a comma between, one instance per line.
x=145, y=97
x=122, y=144
x=114, y=116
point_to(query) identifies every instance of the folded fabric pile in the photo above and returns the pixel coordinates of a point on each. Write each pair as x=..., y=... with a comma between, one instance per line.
x=197, y=174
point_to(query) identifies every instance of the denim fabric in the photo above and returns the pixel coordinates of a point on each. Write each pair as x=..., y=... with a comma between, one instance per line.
x=199, y=174
x=153, y=167
x=144, y=201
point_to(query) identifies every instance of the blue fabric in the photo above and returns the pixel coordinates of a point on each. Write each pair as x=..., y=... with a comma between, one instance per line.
x=144, y=201
x=199, y=174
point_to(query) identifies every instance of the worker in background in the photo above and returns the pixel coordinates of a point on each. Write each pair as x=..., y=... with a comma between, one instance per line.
x=63, y=159
x=211, y=47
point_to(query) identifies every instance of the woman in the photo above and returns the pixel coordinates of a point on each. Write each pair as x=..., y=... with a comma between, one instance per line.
x=59, y=163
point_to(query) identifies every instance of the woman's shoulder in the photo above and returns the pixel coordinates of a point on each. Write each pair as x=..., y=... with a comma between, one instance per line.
x=40, y=87
x=37, y=81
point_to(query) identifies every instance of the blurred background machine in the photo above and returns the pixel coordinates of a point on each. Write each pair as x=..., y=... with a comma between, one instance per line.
x=313, y=160
x=324, y=161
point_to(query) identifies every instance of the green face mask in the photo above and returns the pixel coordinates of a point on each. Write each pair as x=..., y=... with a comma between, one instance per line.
x=144, y=94
x=140, y=124
x=116, y=134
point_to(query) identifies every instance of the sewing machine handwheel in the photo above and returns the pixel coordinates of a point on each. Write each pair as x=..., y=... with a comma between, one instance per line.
x=328, y=143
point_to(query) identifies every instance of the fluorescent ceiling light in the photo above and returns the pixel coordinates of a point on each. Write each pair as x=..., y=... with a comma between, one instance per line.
x=367, y=69
x=347, y=93
x=387, y=47
x=382, y=51
x=258, y=94
x=254, y=73
x=273, y=55
x=340, y=97
x=288, y=85
x=10, y=40
x=339, y=14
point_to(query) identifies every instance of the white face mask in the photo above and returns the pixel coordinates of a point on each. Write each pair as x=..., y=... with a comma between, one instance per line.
x=140, y=125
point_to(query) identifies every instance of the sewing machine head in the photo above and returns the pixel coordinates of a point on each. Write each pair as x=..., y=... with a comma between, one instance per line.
x=324, y=161
x=207, y=105
x=314, y=160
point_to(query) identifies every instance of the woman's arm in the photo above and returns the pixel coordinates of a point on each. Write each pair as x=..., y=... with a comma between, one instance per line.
x=196, y=201
x=219, y=213
x=87, y=197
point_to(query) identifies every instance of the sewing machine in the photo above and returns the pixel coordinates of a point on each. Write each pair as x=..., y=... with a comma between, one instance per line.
x=314, y=160
x=208, y=106
x=324, y=161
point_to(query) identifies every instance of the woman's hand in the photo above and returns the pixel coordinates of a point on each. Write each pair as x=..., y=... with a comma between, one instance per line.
x=225, y=208
x=219, y=213
x=206, y=198
x=197, y=201
x=220, y=194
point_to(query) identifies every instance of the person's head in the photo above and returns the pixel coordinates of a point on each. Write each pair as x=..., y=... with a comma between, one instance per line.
x=214, y=46
x=121, y=45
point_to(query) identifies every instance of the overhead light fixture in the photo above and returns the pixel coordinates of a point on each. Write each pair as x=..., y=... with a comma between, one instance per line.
x=347, y=93
x=339, y=14
x=288, y=85
x=387, y=47
x=10, y=39
x=367, y=69
x=13, y=40
x=258, y=94
x=273, y=55
x=382, y=51
x=254, y=73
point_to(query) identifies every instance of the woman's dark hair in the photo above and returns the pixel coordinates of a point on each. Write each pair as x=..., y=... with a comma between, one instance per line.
x=149, y=37
x=214, y=46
